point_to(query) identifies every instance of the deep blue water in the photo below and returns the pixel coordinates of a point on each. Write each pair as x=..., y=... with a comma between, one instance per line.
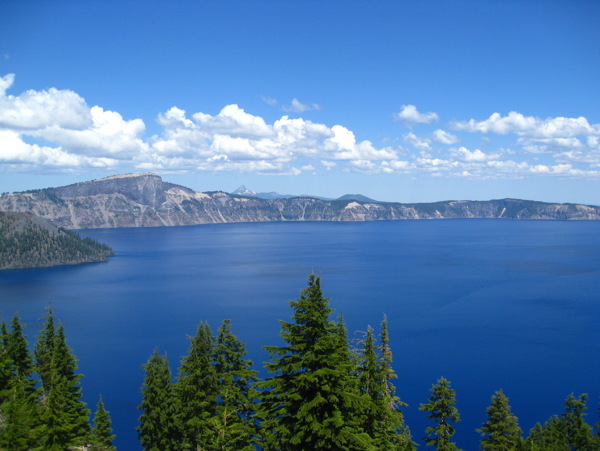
x=488, y=304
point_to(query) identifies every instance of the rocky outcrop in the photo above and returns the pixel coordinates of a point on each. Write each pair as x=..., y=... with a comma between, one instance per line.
x=145, y=200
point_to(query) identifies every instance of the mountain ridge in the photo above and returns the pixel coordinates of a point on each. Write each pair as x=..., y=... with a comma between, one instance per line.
x=145, y=200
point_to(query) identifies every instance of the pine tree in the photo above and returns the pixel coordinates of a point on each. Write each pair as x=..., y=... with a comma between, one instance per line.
x=102, y=436
x=19, y=410
x=234, y=424
x=18, y=350
x=44, y=349
x=578, y=433
x=550, y=437
x=65, y=416
x=501, y=431
x=158, y=429
x=397, y=433
x=196, y=389
x=443, y=412
x=310, y=401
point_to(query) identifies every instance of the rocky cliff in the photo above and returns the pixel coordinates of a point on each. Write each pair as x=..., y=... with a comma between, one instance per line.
x=145, y=200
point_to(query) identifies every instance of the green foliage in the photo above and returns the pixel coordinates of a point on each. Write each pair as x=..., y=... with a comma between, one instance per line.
x=311, y=400
x=158, y=430
x=65, y=417
x=233, y=425
x=196, y=389
x=26, y=242
x=102, y=436
x=443, y=412
x=501, y=431
x=578, y=433
x=382, y=418
x=19, y=410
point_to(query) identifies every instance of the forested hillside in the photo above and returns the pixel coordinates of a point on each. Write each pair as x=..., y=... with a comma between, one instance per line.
x=321, y=393
x=27, y=241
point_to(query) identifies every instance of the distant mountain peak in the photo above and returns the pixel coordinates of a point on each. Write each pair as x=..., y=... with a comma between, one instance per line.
x=132, y=175
x=243, y=191
x=358, y=198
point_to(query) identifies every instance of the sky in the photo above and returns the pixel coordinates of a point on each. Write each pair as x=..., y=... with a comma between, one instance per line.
x=407, y=101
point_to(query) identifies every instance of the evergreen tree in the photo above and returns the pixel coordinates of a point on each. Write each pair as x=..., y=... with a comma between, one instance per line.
x=578, y=433
x=18, y=350
x=102, y=435
x=65, y=416
x=394, y=418
x=501, y=431
x=6, y=363
x=196, y=389
x=44, y=349
x=234, y=424
x=550, y=437
x=19, y=411
x=443, y=412
x=158, y=429
x=311, y=401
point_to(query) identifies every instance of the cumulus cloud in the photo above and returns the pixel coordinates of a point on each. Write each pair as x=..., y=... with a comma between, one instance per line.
x=529, y=126
x=444, y=137
x=410, y=115
x=232, y=138
x=297, y=107
x=464, y=154
x=422, y=144
x=56, y=130
x=38, y=109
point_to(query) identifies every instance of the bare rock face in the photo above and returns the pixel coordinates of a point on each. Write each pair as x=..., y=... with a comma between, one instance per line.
x=145, y=200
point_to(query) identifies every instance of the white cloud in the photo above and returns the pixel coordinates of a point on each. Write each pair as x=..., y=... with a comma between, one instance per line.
x=444, y=137
x=269, y=100
x=422, y=144
x=529, y=126
x=464, y=154
x=298, y=107
x=409, y=114
x=56, y=130
x=37, y=109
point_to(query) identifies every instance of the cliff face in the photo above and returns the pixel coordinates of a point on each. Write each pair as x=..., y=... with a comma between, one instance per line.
x=145, y=200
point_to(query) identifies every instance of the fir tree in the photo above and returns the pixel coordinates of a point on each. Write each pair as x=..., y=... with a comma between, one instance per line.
x=65, y=416
x=234, y=424
x=19, y=410
x=311, y=402
x=501, y=431
x=196, y=389
x=550, y=437
x=158, y=429
x=578, y=433
x=44, y=349
x=443, y=412
x=18, y=350
x=393, y=416
x=102, y=435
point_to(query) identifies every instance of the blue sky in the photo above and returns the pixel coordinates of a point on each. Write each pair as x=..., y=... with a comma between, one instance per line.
x=400, y=101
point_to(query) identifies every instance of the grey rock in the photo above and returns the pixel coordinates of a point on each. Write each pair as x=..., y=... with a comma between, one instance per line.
x=145, y=200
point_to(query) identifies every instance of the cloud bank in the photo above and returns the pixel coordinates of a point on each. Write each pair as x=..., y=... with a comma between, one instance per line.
x=56, y=130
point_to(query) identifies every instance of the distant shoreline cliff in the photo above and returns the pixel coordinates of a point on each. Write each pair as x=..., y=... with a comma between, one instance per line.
x=145, y=200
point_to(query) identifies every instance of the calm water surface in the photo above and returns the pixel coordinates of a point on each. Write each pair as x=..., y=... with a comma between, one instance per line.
x=488, y=304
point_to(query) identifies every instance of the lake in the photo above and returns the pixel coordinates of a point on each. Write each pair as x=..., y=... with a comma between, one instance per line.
x=488, y=304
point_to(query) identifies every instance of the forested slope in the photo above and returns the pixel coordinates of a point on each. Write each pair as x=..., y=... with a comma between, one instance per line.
x=27, y=241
